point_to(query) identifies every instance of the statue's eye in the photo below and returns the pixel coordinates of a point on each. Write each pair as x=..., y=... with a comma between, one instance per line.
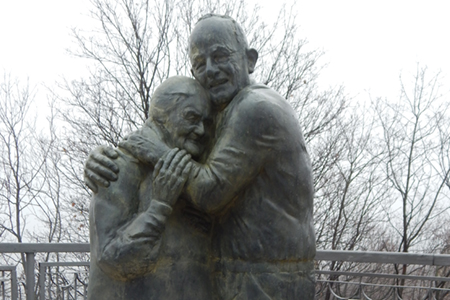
x=199, y=64
x=191, y=116
x=200, y=67
x=221, y=57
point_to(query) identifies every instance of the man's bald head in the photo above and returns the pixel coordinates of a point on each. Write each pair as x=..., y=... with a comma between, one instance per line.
x=220, y=57
x=235, y=27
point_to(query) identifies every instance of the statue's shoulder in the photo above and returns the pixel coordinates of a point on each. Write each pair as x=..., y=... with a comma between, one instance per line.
x=262, y=101
x=261, y=92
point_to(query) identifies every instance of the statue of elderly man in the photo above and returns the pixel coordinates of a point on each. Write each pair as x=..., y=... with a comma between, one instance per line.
x=256, y=180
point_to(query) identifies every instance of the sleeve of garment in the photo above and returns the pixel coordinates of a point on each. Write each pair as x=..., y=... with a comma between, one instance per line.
x=155, y=148
x=249, y=135
x=126, y=244
x=135, y=248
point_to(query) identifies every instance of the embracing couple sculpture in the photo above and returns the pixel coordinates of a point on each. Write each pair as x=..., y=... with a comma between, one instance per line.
x=213, y=197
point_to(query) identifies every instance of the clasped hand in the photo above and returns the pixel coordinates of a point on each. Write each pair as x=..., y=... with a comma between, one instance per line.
x=100, y=168
x=169, y=177
x=170, y=174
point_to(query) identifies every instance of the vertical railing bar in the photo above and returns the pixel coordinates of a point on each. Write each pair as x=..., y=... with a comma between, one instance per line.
x=30, y=275
x=431, y=293
x=360, y=287
x=42, y=272
x=57, y=281
x=14, y=284
x=50, y=283
x=76, y=285
x=3, y=285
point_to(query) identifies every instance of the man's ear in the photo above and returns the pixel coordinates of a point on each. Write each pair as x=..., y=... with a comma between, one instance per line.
x=252, y=57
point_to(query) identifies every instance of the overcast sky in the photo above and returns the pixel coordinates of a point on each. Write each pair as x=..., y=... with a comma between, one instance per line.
x=367, y=43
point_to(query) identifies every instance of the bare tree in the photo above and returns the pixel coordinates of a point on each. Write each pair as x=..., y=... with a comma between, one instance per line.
x=29, y=194
x=349, y=189
x=442, y=120
x=350, y=193
x=410, y=135
x=19, y=169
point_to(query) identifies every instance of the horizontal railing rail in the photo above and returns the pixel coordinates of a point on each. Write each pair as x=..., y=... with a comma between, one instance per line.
x=345, y=285
x=383, y=275
x=30, y=249
x=43, y=247
x=332, y=255
x=384, y=257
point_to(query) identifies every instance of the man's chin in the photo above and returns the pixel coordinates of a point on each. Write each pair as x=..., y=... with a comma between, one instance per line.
x=220, y=101
x=221, y=95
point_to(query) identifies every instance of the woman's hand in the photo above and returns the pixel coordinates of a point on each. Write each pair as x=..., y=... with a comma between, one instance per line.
x=170, y=175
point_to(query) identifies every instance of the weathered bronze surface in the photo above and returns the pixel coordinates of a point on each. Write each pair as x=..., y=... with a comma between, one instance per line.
x=145, y=242
x=247, y=192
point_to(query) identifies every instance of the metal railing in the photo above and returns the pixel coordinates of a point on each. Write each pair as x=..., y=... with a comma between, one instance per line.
x=12, y=280
x=332, y=282
x=357, y=288
x=70, y=288
x=30, y=277
x=379, y=275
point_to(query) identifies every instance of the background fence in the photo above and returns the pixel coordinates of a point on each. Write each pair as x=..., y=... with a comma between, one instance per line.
x=340, y=275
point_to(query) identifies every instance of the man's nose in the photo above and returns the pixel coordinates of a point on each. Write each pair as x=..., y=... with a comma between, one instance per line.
x=211, y=68
x=199, y=129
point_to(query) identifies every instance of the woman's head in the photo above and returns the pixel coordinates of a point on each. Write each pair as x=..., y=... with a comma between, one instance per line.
x=181, y=109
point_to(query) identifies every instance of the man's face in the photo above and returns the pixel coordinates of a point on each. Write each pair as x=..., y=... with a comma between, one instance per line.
x=189, y=124
x=219, y=63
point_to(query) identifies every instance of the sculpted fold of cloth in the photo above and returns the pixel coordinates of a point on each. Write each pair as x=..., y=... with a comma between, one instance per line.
x=254, y=179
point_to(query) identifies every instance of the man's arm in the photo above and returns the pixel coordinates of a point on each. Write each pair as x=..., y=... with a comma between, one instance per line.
x=250, y=136
x=100, y=168
x=251, y=133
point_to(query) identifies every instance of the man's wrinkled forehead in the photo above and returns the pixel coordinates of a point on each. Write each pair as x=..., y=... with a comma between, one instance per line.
x=197, y=53
x=212, y=31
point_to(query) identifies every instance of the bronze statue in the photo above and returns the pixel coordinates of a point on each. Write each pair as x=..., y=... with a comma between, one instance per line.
x=146, y=242
x=255, y=180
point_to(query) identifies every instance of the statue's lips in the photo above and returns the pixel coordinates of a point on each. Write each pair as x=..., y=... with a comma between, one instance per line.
x=194, y=140
x=194, y=143
x=217, y=83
